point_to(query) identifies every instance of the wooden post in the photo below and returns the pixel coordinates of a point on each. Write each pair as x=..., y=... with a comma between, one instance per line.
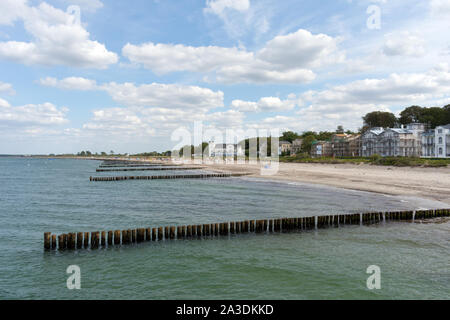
x=79, y=240
x=206, y=231
x=258, y=226
x=226, y=230
x=160, y=233
x=172, y=233
x=140, y=235
x=53, y=241
x=270, y=225
x=47, y=245
x=232, y=227
x=189, y=231
x=252, y=225
x=103, y=236
x=216, y=230
x=95, y=239
x=71, y=241
x=124, y=237
x=154, y=233
x=179, y=232
x=133, y=235
x=148, y=234
x=246, y=224
x=183, y=231
x=61, y=244
x=117, y=237
x=86, y=240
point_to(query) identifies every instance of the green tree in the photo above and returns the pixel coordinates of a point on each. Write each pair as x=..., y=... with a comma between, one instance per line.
x=340, y=129
x=434, y=117
x=289, y=136
x=380, y=119
x=411, y=114
x=447, y=114
x=307, y=143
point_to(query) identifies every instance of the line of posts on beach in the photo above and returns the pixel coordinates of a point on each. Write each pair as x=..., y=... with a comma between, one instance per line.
x=98, y=239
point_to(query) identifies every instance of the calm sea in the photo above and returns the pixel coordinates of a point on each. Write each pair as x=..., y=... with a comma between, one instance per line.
x=38, y=195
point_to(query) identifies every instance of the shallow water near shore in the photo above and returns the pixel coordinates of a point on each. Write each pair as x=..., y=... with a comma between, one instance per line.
x=40, y=195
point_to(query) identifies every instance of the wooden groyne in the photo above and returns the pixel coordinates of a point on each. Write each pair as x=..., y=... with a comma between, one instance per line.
x=96, y=239
x=174, y=176
x=150, y=169
x=143, y=165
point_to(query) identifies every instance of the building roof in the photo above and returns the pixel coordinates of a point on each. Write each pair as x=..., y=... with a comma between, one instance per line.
x=284, y=142
x=400, y=130
x=447, y=126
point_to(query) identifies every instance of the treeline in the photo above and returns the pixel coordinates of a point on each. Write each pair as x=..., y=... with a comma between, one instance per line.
x=432, y=117
x=153, y=154
x=88, y=153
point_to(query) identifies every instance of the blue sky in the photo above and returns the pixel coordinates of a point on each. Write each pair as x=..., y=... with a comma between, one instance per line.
x=124, y=76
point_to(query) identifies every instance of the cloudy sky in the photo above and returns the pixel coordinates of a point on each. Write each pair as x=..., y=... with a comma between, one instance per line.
x=123, y=75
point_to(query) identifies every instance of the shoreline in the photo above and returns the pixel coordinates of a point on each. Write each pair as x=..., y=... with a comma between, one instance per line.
x=422, y=182
x=426, y=183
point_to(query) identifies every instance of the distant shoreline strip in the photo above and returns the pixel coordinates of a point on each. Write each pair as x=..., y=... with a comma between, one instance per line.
x=96, y=239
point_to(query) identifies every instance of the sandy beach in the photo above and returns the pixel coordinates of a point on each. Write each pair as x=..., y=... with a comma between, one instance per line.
x=429, y=183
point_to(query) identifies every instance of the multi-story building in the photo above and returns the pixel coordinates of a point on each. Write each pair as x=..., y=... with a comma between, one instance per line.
x=394, y=142
x=436, y=142
x=321, y=149
x=284, y=147
x=346, y=145
x=225, y=150
x=370, y=142
x=296, y=146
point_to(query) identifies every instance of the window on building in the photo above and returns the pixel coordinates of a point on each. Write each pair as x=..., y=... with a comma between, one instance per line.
x=440, y=151
x=440, y=140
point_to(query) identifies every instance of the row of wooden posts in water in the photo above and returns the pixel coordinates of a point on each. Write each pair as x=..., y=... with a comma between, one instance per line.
x=98, y=239
x=134, y=165
x=150, y=169
x=174, y=176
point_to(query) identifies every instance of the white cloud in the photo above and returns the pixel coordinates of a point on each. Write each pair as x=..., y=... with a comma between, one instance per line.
x=219, y=6
x=404, y=44
x=301, y=49
x=253, y=74
x=226, y=119
x=88, y=5
x=31, y=115
x=70, y=83
x=346, y=104
x=440, y=8
x=58, y=40
x=165, y=95
x=266, y=104
x=284, y=59
x=165, y=58
x=6, y=88
x=155, y=95
x=11, y=10
x=397, y=88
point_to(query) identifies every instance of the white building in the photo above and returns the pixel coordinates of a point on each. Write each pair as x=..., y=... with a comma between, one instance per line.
x=436, y=143
x=225, y=150
x=394, y=142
